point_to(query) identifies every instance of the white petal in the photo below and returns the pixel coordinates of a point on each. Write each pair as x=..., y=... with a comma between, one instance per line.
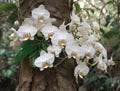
x=102, y=66
x=42, y=52
x=75, y=49
x=81, y=68
x=40, y=11
x=96, y=26
x=45, y=58
x=56, y=50
x=88, y=50
x=61, y=35
x=48, y=30
x=26, y=29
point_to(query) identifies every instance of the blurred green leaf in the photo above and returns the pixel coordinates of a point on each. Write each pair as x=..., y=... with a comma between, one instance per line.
x=7, y=73
x=91, y=79
x=112, y=32
x=77, y=6
x=27, y=47
x=82, y=88
x=108, y=82
x=102, y=76
x=89, y=10
x=4, y=7
x=12, y=18
x=2, y=51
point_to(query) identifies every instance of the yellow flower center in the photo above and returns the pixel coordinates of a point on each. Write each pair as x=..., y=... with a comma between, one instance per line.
x=50, y=35
x=81, y=74
x=88, y=55
x=26, y=35
x=45, y=64
x=41, y=18
x=74, y=54
x=62, y=42
x=53, y=52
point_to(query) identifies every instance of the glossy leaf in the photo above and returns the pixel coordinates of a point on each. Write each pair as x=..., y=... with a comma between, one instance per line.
x=27, y=48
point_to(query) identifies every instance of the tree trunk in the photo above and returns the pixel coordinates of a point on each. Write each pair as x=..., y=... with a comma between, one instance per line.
x=60, y=78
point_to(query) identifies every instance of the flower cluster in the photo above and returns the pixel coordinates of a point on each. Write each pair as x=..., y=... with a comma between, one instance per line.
x=79, y=42
x=92, y=9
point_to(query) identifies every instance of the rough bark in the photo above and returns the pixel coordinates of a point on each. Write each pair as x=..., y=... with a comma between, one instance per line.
x=60, y=78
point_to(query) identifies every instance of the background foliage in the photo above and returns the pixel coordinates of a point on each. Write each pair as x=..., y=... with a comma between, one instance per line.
x=8, y=70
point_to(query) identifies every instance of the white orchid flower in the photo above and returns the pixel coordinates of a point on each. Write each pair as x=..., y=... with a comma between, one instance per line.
x=33, y=22
x=88, y=50
x=102, y=66
x=40, y=13
x=74, y=18
x=100, y=48
x=26, y=32
x=86, y=26
x=48, y=30
x=92, y=38
x=55, y=50
x=81, y=70
x=74, y=51
x=96, y=26
x=82, y=32
x=101, y=60
x=62, y=38
x=44, y=61
x=62, y=27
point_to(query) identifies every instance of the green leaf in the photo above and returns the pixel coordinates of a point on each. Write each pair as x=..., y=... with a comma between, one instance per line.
x=77, y=6
x=108, y=82
x=82, y=88
x=27, y=47
x=12, y=18
x=7, y=73
x=91, y=79
x=112, y=32
x=4, y=7
x=2, y=51
x=102, y=76
x=89, y=10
